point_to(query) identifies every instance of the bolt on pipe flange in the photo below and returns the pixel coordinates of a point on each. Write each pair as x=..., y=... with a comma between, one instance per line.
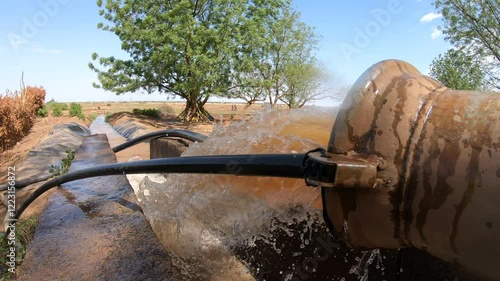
x=353, y=170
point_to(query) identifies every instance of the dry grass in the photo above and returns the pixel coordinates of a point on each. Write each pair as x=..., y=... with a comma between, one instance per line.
x=18, y=112
x=228, y=111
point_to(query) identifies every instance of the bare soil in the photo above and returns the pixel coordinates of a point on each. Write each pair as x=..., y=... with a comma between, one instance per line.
x=41, y=128
x=228, y=111
x=160, y=124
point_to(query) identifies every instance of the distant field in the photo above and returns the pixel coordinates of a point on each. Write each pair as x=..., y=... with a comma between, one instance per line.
x=228, y=111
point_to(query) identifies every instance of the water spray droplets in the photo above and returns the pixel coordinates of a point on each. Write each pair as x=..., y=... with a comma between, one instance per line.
x=346, y=228
x=367, y=259
x=196, y=216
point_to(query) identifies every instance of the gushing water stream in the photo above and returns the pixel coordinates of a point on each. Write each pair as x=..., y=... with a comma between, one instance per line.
x=220, y=227
x=202, y=219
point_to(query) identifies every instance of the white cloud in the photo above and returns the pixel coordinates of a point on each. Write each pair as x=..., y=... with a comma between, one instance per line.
x=40, y=49
x=430, y=17
x=436, y=32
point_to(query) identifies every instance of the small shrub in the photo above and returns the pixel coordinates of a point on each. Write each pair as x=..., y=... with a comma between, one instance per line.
x=62, y=169
x=108, y=116
x=151, y=112
x=18, y=112
x=166, y=111
x=36, y=97
x=43, y=112
x=108, y=104
x=50, y=103
x=92, y=116
x=81, y=116
x=57, y=109
x=75, y=109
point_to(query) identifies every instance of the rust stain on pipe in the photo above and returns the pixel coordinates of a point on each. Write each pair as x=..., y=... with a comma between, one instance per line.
x=441, y=178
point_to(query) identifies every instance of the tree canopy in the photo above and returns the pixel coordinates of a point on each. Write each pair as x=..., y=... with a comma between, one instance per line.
x=285, y=69
x=304, y=82
x=189, y=48
x=474, y=26
x=185, y=48
x=457, y=70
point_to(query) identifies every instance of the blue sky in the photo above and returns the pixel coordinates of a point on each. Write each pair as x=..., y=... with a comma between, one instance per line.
x=52, y=41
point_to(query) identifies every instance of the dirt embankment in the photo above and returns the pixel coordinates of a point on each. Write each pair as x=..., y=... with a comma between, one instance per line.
x=40, y=130
x=223, y=113
x=152, y=124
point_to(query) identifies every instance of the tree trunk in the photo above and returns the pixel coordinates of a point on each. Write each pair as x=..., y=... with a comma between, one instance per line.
x=194, y=111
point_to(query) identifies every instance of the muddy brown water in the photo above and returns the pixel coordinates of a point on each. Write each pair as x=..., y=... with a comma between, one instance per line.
x=100, y=126
x=220, y=227
x=272, y=226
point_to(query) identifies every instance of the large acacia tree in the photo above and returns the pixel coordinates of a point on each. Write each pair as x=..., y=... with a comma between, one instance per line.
x=188, y=48
x=474, y=26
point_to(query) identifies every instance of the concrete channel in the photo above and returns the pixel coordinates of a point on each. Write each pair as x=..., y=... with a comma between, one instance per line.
x=93, y=229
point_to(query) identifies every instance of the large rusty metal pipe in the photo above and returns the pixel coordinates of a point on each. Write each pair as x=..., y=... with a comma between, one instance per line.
x=437, y=184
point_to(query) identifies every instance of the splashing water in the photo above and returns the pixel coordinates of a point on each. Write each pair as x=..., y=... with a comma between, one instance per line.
x=361, y=269
x=200, y=219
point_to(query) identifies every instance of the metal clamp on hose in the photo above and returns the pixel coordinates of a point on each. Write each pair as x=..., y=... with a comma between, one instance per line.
x=354, y=170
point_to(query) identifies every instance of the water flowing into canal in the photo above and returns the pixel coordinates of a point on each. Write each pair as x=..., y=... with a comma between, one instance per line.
x=100, y=126
x=215, y=224
x=220, y=227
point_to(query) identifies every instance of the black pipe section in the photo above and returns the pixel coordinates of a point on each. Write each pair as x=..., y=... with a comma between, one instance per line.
x=185, y=134
x=24, y=183
x=267, y=165
x=171, y=133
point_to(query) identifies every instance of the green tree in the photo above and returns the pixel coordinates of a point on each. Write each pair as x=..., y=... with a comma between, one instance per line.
x=457, y=70
x=188, y=48
x=285, y=68
x=474, y=25
x=304, y=82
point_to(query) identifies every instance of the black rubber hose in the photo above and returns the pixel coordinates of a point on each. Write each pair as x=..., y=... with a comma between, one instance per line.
x=270, y=165
x=24, y=183
x=185, y=134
